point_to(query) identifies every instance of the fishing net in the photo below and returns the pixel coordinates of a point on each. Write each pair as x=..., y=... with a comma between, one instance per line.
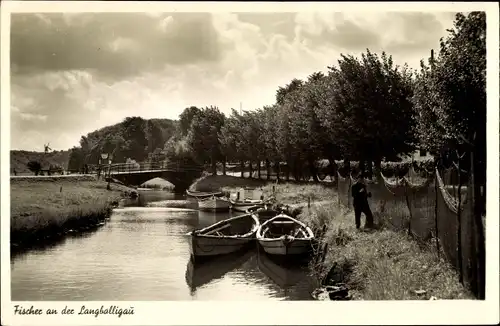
x=422, y=207
x=452, y=179
x=431, y=205
x=388, y=201
x=344, y=190
x=446, y=209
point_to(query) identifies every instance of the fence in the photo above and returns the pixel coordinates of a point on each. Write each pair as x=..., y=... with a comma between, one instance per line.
x=437, y=210
x=142, y=167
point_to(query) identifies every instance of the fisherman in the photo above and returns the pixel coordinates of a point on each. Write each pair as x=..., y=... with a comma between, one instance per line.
x=360, y=202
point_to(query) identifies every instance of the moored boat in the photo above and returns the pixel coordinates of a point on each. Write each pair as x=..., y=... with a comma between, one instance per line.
x=224, y=237
x=283, y=235
x=263, y=213
x=203, y=194
x=215, y=204
x=244, y=205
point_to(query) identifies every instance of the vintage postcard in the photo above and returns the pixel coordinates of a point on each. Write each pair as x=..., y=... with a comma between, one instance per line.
x=258, y=163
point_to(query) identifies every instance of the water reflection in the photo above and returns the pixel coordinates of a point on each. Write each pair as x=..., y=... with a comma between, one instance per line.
x=142, y=253
x=283, y=274
x=199, y=274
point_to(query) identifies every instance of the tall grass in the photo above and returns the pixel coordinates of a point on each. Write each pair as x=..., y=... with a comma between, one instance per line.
x=49, y=207
x=379, y=264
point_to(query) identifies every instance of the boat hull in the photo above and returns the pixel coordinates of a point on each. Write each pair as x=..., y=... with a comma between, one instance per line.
x=202, y=195
x=214, y=205
x=204, y=246
x=244, y=207
x=278, y=247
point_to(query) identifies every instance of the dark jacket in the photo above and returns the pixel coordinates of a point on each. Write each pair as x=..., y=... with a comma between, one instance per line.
x=359, y=194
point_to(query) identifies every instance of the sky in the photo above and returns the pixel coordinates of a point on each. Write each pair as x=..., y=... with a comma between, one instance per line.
x=73, y=73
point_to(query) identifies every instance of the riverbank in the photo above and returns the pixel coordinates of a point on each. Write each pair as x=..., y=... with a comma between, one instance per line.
x=375, y=265
x=44, y=209
x=380, y=264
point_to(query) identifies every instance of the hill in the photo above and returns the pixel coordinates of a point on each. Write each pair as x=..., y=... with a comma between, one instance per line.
x=19, y=160
x=133, y=138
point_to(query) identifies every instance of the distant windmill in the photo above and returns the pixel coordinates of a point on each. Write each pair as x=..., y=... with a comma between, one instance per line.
x=47, y=148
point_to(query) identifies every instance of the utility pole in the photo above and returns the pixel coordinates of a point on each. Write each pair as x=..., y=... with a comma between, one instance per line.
x=240, y=108
x=432, y=60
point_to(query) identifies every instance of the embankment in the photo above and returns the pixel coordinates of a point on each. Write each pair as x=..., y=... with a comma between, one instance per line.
x=375, y=265
x=379, y=264
x=44, y=209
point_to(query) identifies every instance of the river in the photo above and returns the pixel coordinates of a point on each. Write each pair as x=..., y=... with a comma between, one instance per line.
x=142, y=253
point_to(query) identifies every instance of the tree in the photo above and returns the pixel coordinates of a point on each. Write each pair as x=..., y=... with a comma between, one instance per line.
x=268, y=138
x=366, y=107
x=76, y=159
x=230, y=138
x=34, y=166
x=203, y=136
x=186, y=117
x=450, y=92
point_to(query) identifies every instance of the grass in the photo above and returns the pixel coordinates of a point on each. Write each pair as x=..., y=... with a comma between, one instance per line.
x=379, y=264
x=47, y=207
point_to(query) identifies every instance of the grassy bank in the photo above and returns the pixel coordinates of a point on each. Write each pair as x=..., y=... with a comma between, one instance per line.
x=379, y=264
x=46, y=208
x=376, y=265
x=286, y=192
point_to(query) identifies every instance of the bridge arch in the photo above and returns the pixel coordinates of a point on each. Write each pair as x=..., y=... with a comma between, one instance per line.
x=181, y=176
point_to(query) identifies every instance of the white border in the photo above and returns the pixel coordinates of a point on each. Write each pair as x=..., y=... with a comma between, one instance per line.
x=270, y=313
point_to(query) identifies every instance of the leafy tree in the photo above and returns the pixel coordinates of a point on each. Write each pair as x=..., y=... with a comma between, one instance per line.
x=268, y=138
x=35, y=167
x=76, y=159
x=450, y=92
x=203, y=136
x=230, y=138
x=186, y=117
x=366, y=107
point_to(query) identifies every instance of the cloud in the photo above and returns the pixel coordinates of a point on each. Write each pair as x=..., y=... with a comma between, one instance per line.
x=111, y=44
x=74, y=73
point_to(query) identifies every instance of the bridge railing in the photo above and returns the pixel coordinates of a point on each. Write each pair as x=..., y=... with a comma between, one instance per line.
x=148, y=166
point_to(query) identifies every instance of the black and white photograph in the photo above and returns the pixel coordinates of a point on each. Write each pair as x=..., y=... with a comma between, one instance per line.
x=237, y=154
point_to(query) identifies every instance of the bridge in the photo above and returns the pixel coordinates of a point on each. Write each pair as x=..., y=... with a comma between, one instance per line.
x=135, y=174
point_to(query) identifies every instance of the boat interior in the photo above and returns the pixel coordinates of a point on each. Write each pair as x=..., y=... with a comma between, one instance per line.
x=239, y=226
x=280, y=227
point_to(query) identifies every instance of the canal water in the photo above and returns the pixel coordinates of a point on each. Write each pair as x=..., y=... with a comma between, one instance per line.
x=142, y=254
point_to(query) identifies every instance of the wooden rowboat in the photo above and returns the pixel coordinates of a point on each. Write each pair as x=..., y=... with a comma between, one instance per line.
x=283, y=235
x=263, y=213
x=214, y=204
x=244, y=205
x=203, y=194
x=224, y=237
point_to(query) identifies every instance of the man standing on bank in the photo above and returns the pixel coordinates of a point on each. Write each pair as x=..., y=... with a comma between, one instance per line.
x=360, y=202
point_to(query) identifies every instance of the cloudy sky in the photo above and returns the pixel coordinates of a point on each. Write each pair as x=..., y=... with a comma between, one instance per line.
x=74, y=73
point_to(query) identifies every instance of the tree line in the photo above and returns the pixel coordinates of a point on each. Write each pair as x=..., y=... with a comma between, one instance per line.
x=364, y=109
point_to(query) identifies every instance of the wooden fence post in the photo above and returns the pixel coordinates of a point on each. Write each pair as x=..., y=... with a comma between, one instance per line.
x=436, y=224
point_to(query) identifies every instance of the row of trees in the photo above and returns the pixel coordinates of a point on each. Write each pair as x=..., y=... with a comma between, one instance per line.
x=364, y=109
